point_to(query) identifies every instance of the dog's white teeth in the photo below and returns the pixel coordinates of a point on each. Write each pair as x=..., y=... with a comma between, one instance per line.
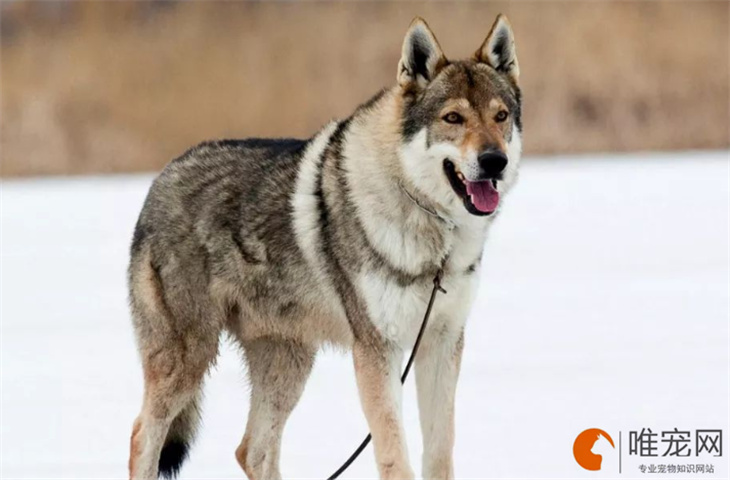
x=461, y=177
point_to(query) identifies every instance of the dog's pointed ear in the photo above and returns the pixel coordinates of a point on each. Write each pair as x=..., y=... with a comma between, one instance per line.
x=421, y=58
x=498, y=50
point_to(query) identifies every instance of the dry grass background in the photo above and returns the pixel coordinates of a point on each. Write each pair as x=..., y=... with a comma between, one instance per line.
x=126, y=86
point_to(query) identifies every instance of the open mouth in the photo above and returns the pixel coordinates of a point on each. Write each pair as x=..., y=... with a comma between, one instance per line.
x=480, y=198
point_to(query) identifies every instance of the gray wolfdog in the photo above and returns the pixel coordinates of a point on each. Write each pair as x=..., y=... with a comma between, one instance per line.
x=287, y=245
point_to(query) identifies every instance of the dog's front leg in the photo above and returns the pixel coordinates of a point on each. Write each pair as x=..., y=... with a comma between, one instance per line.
x=437, y=370
x=377, y=368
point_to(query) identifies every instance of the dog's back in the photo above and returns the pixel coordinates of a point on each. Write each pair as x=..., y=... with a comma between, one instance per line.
x=214, y=209
x=220, y=177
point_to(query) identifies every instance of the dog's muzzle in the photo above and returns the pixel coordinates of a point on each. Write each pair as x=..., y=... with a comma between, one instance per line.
x=480, y=195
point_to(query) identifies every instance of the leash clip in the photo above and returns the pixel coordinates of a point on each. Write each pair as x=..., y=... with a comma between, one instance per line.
x=437, y=281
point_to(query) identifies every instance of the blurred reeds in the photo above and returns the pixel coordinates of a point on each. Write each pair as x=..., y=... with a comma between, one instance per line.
x=90, y=87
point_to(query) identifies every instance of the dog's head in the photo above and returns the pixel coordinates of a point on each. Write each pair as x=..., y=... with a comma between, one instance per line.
x=461, y=119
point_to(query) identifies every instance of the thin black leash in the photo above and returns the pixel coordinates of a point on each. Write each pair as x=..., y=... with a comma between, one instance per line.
x=436, y=288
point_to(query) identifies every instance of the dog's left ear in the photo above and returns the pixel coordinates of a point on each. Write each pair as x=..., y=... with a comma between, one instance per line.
x=421, y=58
x=498, y=50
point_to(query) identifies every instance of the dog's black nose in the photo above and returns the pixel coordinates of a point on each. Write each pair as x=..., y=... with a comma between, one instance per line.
x=492, y=163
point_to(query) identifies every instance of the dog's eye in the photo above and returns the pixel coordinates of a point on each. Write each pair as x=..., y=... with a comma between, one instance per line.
x=501, y=116
x=453, y=117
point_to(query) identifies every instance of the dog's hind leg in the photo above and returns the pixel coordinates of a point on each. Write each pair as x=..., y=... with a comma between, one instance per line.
x=162, y=432
x=177, y=335
x=278, y=370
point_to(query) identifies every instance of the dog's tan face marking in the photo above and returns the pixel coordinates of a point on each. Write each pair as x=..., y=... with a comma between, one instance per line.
x=476, y=128
x=473, y=108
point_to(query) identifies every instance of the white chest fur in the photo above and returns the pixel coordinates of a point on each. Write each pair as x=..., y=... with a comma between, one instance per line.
x=397, y=310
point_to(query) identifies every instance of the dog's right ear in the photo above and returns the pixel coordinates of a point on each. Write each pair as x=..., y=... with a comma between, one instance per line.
x=498, y=50
x=421, y=58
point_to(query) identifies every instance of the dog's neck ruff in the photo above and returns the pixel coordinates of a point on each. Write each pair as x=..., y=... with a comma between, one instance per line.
x=449, y=223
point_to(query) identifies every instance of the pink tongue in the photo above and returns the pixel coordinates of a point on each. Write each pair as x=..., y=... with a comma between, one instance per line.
x=483, y=195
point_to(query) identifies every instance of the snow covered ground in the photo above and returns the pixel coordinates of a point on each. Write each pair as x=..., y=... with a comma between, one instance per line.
x=604, y=304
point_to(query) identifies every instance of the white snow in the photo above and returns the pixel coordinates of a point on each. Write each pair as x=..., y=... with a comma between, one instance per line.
x=604, y=304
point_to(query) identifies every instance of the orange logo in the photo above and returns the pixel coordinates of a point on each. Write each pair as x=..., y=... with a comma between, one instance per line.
x=589, y=447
